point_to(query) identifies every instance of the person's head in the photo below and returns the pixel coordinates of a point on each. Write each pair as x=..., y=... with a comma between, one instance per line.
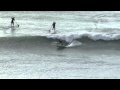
x=54, y=22
x=12, y=17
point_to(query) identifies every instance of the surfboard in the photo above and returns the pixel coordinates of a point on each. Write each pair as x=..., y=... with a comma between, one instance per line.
x=62, y=46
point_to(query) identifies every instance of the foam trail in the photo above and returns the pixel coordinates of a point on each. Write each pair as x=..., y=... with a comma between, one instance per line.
x=74, y=44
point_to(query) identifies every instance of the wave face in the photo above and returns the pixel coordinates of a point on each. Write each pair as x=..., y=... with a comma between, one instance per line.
x=44, y=44
x=92, y=36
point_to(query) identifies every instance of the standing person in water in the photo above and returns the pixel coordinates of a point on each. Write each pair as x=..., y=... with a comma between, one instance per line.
x=53, y=25
x=12, y=21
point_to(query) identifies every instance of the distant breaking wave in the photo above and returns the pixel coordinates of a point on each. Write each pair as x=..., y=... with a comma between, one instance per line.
x=95, y=37
x=29, y=42
x=70, y=37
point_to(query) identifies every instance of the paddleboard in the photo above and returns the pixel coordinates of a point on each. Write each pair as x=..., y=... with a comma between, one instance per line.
x=52, y=31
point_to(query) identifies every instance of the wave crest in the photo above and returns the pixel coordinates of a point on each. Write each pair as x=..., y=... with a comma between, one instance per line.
x=95, y=36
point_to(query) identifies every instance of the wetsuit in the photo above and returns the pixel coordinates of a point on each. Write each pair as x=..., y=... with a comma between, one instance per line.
x=12, y=21
x=60, y=42
x=54, y=25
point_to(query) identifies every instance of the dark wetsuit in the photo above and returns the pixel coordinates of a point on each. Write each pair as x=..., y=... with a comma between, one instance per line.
x=53, y=25
x=60, y=42
x=12, y=21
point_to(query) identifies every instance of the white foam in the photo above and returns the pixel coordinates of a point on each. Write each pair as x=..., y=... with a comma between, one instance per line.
x=74, y=44
x=94, y=36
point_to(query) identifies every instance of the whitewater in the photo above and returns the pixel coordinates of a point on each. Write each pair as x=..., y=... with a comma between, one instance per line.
x=91, y=45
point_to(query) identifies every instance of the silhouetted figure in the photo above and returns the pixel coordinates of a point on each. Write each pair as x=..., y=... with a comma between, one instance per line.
x=60, y=42
x=53, y=25
x=12, y=21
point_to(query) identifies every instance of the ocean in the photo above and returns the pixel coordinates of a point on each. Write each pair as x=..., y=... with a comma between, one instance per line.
x=91, y=45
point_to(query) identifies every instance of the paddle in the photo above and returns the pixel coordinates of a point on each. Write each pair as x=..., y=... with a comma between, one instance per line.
x=17, y=24
x=50, y=29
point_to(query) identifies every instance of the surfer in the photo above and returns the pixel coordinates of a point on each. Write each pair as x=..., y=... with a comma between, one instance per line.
x=52, y=29
x=60, y=42
x=53, y=25
x=12, y=21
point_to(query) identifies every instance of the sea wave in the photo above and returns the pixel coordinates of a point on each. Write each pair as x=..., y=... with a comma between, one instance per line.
x=29, y=42
x=92, y=36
